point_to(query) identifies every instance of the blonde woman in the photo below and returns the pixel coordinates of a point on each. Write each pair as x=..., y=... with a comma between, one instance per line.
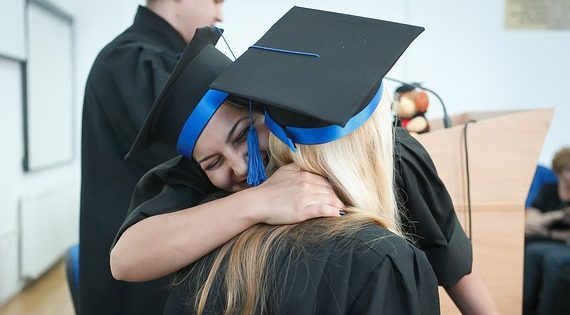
x=358, y=263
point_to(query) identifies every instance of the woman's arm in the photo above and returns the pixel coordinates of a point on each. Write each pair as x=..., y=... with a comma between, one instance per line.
x=162, y=244
x=471, y=296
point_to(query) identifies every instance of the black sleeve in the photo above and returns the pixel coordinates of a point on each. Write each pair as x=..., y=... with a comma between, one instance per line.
x=400, y=284
x=171, y=186
x=429, y=215
x=178, y=302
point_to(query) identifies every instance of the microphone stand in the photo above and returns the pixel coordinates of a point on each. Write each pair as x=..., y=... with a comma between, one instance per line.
x=446, y=118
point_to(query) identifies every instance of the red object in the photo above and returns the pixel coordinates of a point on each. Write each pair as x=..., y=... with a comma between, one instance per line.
x=422, y=101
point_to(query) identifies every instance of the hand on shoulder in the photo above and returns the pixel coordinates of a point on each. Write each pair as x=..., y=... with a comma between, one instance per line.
x=290, y=196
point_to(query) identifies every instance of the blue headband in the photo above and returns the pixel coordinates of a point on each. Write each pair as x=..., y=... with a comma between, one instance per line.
x=197, y=120
x=292, y=135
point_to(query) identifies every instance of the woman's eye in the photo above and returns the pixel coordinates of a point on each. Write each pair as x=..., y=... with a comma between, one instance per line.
x=213, y=165
x=243, y=135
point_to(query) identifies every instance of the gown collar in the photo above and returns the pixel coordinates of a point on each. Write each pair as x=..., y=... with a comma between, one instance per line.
x=158, y=29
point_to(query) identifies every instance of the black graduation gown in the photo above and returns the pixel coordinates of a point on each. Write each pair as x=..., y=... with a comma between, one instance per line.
x=171, y=186
x=122, y=85
x=373, y=272
x=429, y=213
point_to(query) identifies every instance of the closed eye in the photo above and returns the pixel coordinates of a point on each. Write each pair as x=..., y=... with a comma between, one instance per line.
x=213, y=165
x=242, y=136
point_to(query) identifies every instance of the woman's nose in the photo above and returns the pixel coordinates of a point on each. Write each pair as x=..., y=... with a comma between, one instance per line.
x=239, y=165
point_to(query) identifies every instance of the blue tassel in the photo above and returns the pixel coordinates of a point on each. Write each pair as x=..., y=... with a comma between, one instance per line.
x=256, y=170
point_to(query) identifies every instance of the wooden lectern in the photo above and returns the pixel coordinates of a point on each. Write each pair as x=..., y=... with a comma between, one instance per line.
x=502, y=152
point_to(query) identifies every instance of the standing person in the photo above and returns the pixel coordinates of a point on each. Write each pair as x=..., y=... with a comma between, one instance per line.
x=125, y=79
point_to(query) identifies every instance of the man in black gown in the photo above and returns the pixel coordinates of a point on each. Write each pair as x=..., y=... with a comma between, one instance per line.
x=123, y=83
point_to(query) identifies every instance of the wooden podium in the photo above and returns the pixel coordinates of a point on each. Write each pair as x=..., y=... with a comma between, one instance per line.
x=502, y=152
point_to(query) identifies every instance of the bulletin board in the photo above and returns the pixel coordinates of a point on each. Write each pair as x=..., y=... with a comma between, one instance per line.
x=537, y=14
x=48, y=110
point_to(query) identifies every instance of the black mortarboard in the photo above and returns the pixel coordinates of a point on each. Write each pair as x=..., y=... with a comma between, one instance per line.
x=317, y=69
x=186, y=89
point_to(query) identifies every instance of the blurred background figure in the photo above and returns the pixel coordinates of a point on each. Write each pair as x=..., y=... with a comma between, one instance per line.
x=547, y=232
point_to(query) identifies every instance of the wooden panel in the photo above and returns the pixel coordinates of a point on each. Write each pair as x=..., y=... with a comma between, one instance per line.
x=503, y=148
x=498, y=248
x=503, y=151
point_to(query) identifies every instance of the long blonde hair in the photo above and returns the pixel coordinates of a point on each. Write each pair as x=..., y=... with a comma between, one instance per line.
x=360, y=169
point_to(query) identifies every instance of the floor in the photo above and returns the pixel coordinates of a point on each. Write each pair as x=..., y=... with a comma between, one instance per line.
x=49, y=295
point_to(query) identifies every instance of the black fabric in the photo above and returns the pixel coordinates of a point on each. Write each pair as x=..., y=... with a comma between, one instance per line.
x=561, y=305
x=173, y=185
x=198, y=66
x=304, y=91
x=125, y=79
x=548, y=199
x=429, y=216
x=373, y=272
x=429, y=213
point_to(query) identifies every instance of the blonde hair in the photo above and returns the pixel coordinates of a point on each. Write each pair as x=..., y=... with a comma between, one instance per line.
x=359, y=166
x=360, y=169
x=560, y=160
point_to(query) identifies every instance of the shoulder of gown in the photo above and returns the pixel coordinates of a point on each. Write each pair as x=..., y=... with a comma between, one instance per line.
x=373, y=272
x=429, y=216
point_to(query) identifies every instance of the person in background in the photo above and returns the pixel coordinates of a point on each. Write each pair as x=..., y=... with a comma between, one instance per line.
x=547, y=232
x=124, y=80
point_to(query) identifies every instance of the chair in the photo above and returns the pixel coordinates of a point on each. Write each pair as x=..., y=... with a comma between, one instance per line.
x=542, y=175
x=72, y=273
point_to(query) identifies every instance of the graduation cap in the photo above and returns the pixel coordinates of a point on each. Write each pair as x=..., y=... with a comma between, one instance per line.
x=185, y=103
x=318, y=73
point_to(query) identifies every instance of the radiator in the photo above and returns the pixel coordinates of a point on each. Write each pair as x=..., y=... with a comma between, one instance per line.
x=9, y=276
x=48, y=227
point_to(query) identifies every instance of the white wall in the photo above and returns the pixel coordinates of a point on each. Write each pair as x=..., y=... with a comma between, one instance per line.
x=11, y=170
x=12, y=29
x=465, y=54
x=54, y=191
x=468, y=56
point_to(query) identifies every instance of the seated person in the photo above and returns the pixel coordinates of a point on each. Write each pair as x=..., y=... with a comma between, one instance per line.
x=547, y=231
